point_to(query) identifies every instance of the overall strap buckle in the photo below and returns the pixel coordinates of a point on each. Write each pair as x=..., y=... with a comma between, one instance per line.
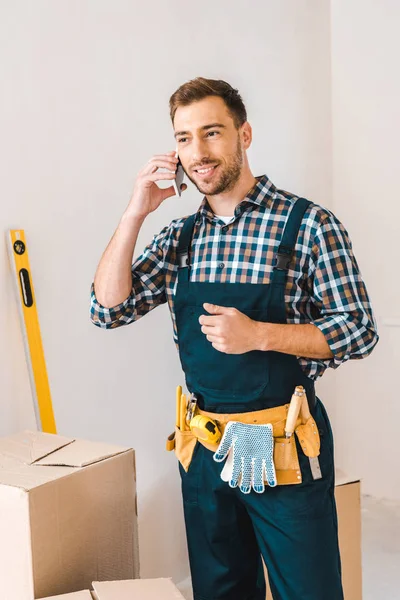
x=283, y=258
x=286, y=248
x=184, y=242
x=183, y=258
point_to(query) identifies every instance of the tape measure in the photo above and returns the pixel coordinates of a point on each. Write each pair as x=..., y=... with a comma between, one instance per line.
x=205, y=429
x=18, y=252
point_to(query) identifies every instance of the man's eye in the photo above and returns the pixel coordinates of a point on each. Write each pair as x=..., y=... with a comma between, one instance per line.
x=182, y=140
x=212, y=132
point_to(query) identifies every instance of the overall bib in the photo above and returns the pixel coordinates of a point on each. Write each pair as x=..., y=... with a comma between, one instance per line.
x=293, y=527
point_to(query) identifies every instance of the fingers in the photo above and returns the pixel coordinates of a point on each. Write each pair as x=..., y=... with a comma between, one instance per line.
x=210, y=328
x=158, y=175
x=153, y=165
x=213, y=339
x=170, y=191
x=159, y=161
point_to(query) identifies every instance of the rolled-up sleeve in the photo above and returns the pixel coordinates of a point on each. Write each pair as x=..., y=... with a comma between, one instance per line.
x=344, y=309
x=148, y=288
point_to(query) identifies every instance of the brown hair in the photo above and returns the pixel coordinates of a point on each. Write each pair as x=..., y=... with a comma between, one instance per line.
x=199, y=88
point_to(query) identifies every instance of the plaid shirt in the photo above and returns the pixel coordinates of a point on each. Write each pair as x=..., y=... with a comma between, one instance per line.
x=324, y=284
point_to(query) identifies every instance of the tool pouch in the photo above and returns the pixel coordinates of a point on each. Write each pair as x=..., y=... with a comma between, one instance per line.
x=286, y=461
x=309, y=439
x=183, y=442
x=286, y=458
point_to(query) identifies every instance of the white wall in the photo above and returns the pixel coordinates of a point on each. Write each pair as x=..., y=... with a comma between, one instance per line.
x=366, y=133
x=85, y=106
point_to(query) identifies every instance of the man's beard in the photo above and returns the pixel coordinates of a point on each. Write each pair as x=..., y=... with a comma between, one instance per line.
x=226, y=179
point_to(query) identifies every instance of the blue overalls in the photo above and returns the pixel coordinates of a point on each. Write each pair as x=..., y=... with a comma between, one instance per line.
x=293, y=527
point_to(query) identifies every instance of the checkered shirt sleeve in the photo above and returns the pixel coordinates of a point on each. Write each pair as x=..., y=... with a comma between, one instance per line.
x=148, y=289
x=340, y=295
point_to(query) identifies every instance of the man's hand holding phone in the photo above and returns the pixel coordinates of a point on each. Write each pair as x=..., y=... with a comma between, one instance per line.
x=147, y=196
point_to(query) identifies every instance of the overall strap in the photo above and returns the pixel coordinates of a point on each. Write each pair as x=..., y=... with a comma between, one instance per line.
x=184, y=243
x=285, y=251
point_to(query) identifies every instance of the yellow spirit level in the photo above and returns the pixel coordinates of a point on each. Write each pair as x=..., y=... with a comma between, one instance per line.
x=19, y=261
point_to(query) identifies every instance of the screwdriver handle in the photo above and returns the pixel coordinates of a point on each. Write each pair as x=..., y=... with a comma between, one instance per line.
x=294, y=409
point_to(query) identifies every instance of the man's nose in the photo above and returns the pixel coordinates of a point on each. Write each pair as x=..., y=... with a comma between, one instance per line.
x=199, y=152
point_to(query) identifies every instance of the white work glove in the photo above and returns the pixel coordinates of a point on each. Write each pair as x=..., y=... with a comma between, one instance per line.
x=251, y=456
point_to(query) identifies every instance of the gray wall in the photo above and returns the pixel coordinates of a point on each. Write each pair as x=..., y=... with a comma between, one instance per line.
x=84, y=105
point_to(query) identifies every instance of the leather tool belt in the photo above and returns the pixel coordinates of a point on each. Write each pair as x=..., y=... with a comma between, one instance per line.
x=286, y=458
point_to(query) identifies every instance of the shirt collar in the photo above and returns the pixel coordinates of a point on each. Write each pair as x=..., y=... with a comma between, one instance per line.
x=262, y=193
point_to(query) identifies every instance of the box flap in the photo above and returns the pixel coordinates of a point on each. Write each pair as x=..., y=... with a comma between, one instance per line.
x=80, y=454
x=30, y=446
x=341, y=478
x=23, y=456
x=14, y=473
x=137, y=589
x=84, y=595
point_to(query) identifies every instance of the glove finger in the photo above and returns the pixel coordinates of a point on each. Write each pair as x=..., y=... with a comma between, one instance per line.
x=258, y=476
x=236, y=471
x=225, y=444
x=269, y=468
x=226, y=473
x=245, y=485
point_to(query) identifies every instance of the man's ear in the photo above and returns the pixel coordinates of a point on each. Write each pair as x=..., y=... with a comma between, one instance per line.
x=247, y=134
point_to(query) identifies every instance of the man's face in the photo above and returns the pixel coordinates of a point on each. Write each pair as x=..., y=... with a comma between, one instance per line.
x=206, y=136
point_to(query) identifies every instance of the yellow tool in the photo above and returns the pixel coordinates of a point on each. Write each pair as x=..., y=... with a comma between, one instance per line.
x=18, y=252
x=202, y=427
x=183, y=413
x=178, y=406
x=205, y=429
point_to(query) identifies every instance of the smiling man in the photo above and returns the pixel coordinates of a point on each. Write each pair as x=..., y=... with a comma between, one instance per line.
x=265, y=294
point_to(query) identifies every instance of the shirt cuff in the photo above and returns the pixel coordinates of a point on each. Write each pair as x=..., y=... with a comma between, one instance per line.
x=107, y=317
x=336, y=331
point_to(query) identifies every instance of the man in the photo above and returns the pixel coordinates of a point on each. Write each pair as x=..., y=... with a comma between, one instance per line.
x=265, y=294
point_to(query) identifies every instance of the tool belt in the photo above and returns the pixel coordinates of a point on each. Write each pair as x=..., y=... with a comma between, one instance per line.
x=286, y=459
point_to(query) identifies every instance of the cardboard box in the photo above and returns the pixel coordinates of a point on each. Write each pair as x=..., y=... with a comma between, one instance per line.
x=348, y=503
x=67, y=515
x=84, y=595
x=140, y=589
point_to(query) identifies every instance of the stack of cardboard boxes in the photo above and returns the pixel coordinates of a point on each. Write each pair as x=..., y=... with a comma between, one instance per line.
x=68, y=517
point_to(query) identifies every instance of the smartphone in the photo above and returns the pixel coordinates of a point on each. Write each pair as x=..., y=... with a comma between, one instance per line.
x=179, y=175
